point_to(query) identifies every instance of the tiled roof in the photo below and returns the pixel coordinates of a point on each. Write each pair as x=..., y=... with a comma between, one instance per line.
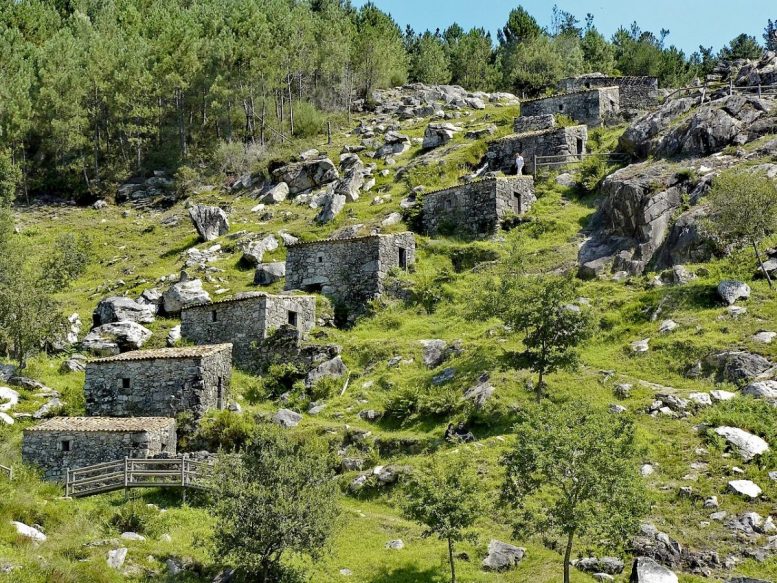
x=164, y=353
x=566, y=93
x=103, y=424
x=245, y=297
x=353, y=239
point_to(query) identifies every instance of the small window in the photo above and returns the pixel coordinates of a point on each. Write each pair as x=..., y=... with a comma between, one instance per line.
x=448, y=203
x=561, y=107
x=64, y=445
x=588, y=85
x=320, y=258
x=125, y=383
x=292, y=318
x=214, y=316
x=403, y=258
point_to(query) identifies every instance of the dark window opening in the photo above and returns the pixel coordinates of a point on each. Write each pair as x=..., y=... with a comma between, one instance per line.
x=579, y=146
x=448, y=203
x=214, y=316
x=125, y=383
x=320, y=258
x=315, y=288
x=561, y=107
x=403, y=258
x=65, y=445
x=163, y=446
x=292, y=318
x=588, y=85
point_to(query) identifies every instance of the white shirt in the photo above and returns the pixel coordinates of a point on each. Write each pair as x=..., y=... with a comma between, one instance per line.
x=518, y=164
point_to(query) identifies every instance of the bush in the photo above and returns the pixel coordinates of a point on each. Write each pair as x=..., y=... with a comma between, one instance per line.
x=467, y=257
x=225, y=430
x=69, y=260
x=134, y=516
x=280, y=379
x=409, y=403
x=235, y=158
x=308, y=121
x=186, y=178
x=431, y=288
x=593, y=171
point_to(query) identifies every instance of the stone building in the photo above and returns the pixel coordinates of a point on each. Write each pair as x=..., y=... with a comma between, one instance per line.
x=350, y=271
x=161, y=382
x=246, y=320
x=477, y=208
x=63, y=443
x=592, y=107
x=534, y=123
x=567, y=144
x=636, y=93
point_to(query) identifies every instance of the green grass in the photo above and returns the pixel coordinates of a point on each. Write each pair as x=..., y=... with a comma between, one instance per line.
x=132, y=253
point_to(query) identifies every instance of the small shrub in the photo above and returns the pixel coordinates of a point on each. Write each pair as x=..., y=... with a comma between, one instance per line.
x=234, y=158
x=430, y=289
x=308, y=121
x=134, y=516
x=326, y=388
x=69, y=260
x=186, y=178
x=225, y=430
x=280, y=379
x=467, y=257
x=593, y=171
x=564, y=121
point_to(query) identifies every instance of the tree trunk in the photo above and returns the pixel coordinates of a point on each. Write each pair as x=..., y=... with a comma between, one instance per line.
x=539, y=389
x=450, y=559
x=291, y=107
x=264, y=114
x=761, y=263
x=568, y=555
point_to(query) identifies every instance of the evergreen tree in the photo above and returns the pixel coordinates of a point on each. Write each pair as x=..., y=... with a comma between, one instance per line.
x=743, y=46
x=598, y=54
x=520, y=27
x=378, y=50
x=770, y=35
x=429, y=61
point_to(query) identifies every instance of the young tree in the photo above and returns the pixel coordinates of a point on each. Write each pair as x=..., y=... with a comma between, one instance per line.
x=598, y=54
x=540, y=308
x=742, y=46
x=770, y=35
x=278, y=498
x=472, y=60
x=429, y=61
x=520, y=27
x=378, y=50
x=445, y=498
x=573, y=471
x=743, y=208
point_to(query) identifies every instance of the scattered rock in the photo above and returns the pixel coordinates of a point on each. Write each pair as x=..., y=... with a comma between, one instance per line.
x=10, y=398
x=766, y=390
x=253, y=251
x=121, y=309
x=49, y=409
x=720, y=395
x=502, y=556
x=730, y=291
x=609, y=565
x=174, y=336
x=745, y=488
x=668, y=326
x=640, y=346
x=132, y=536
x=112, y=339
x=765, y=337
x=395, y=545
x=647, y=570
x=276, y=194
x=334, y=367
x=209, y=221
x=269, y=273
x=116, y=557
x=480, y=393
x=307, y=174
x=28, y=531
x=287, y=418
x=434, y=353
x=185, y=293
x=746, y=444
x=446, y=376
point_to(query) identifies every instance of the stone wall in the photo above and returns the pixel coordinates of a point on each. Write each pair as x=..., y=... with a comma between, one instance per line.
x=160, y=382
x=350, y=271
x=534, y=123
x=636, y=93
x=44, y=448
x=568, y=142
x=477, y=209
x=246, y=320
x=592, y=107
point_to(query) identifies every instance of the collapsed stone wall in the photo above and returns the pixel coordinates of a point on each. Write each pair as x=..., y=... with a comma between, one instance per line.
x=477, y=209
x=568, y=143
x=351, y=271
x=161, y=387
x=246, y=321
x=591, y=107
x=636, y=93
x=44, y=448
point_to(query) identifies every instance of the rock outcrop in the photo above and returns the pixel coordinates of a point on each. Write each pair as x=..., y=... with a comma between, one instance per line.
x=306, y=174
x=209, y=221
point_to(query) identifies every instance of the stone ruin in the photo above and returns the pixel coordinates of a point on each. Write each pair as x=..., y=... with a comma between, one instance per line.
x=350, y=271
x=63, y=443
x=568, y=143
x=477, y=208
x=592, y=107
x=636, y=93
x=246, y=320
x=162, y=382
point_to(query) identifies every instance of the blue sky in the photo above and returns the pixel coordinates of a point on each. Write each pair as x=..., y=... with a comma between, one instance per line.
x=690, y=22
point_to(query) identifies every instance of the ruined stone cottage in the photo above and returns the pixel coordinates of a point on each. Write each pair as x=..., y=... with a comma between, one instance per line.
x=565, y=144
x=63, y=443
x=246, y=320
x=350, y=271
x=477, y=208
x=636, y=93
x=593, y=107
x=163, y=382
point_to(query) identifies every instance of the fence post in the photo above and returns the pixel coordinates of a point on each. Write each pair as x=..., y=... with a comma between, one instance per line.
x=183, y=478
x=731, y=87
x=126, y=478
x=329, y=132
x=67, y=484
x=535, y=165
x=759, y=91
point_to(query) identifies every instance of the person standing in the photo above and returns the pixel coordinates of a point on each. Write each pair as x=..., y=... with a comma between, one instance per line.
x=519, y=164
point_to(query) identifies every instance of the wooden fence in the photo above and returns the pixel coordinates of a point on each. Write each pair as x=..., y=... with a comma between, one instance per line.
x=137, y=473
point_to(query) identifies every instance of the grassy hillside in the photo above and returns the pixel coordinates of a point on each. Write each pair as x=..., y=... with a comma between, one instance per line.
x=132, y=251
